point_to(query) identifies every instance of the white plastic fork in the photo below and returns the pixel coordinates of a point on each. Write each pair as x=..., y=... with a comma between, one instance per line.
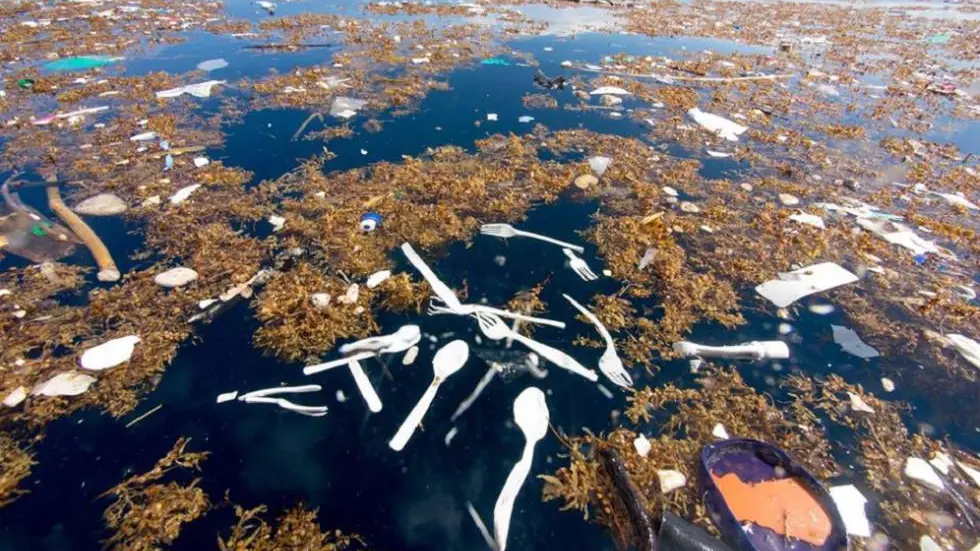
x=495, y=329
x=580, y=267
x=609, y=363
x=467, y=309
x=506, y=231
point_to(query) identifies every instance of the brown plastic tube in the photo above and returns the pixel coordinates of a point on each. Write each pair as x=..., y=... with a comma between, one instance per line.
x=107, y=267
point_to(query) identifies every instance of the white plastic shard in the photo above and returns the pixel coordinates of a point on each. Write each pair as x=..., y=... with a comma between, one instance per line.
x=611, y=91
x=671, y=480
x=973, y=474
x=410, y=355
x=808, y=219
x=717, y=125
x=967, y=347
x=345, y=108
x=642, y=445
x=898, y=234
x=377, y=278
x=719, y=432
x=175, y=277
x=926, y=543
x=103, y=204
x=449, y=436
x=109, y=354
x=212, y=64
x=183, y=193
x=226, y=397
x=797, y=284
x=850, y=504
x=956, y=199
x=858, y=403
x=755, y=350
x=71, y=383
x=849, y=340
x=599, y=165
x=199, y=90
x=887, y=384
x=922, y=472
x=16, y=396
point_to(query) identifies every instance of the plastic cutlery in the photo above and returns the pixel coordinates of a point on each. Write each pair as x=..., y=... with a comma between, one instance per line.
x=506, y=231
x=448, y=360
x=280, y=390
x=755, y=350
x=467, y=309
x=406, y=337
x=609, y=363
x=579, y=266
x=438, y=287
x=531, y=415
x=495, y=329
x=364, y=386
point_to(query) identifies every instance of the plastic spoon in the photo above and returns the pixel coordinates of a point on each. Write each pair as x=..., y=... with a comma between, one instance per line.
x=449, y=359
x=531, y=415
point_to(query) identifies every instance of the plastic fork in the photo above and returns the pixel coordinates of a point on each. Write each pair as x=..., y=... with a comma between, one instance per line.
x=580, y=267
x=467, y=309
x=506, y=231
x=495, y=329
x=609, y=363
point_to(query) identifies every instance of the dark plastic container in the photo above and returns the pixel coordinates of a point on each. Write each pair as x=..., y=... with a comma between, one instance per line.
x=754, y=461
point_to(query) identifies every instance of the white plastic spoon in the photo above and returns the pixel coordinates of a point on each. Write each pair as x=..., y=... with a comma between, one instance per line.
x=449, y=359
x=531, y=415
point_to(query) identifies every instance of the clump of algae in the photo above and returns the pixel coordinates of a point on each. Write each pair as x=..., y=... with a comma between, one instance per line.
x=15, y=465
x=147, y=513
x=298, y=530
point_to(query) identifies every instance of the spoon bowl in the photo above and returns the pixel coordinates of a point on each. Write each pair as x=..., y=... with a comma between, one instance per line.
x=531, y=414
x=450, y=358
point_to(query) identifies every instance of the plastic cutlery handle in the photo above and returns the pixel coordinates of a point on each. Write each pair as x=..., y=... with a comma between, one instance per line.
x=438, y=287
x=603, y=332
x=311, y=369
x=414, y=418
x=514, y=315
x=364, y=385
x=556, y=357
x=280, y=390
x=754, y=350
x=547, y=239
x=286, y=404
x=504, y=507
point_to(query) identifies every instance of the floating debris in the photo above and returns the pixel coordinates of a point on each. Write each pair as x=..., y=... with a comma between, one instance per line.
x=850, y=503
x=720, y=126
x=792, y=286
x=671, y=480
x=109, y=354
x=199, y=90
x=71, y=383
x=103, y=204
x=175, y=277
x=922, y=472
x=212, y=64
x=849, y=340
